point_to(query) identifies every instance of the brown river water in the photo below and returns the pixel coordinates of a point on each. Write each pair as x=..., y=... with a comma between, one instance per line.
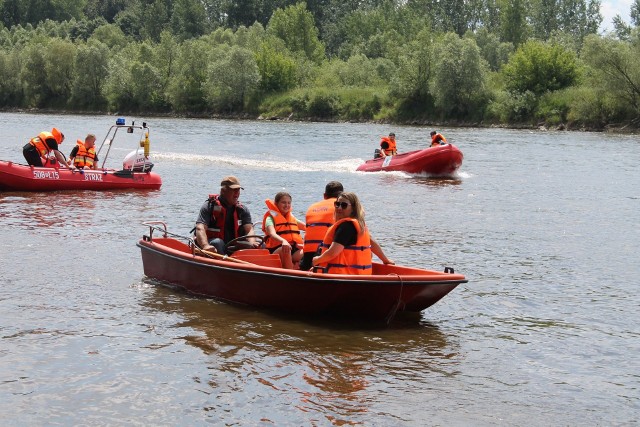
x=545, y=226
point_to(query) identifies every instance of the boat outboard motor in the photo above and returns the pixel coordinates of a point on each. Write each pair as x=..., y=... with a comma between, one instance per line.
x=135, y=161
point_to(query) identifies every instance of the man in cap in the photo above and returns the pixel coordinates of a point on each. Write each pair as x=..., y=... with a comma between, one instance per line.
x=319, y=219
x=36, y=151
x=223, y=218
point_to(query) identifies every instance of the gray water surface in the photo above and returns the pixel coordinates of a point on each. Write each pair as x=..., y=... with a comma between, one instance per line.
x=545, y=225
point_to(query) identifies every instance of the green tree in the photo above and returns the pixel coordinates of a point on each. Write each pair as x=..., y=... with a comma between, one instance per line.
x=91, y=65
x=295, y=26
x=185, y=91
x=513, y=21
x=11, y=94
x=544, y=18
x=156, y=20
x=410, y=83
x=13, y=12
x=189, y=19
x=232, y=78
x=60, y=70
x=276, y=67
x=111, y=35
x=119, y=88
x=459, y=76
x=615, y=67
x=34, y=75
x=635, y=13
x=107, y=9
x=495, y=52
x=540, y=67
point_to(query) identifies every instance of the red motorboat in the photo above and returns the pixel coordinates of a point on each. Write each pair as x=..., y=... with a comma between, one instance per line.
x=439, y=161
x=135, y=173
x=254, y=277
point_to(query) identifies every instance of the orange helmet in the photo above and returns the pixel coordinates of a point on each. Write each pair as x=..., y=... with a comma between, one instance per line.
x=59, y=136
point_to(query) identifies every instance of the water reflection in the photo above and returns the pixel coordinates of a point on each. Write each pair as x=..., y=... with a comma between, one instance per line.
x=328, y=368
x=59, y=210
x=392, y=179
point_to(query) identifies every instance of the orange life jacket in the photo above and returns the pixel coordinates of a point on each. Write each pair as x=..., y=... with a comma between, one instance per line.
x=84, y=157
x=391, y=151
x=40, y=143
x=354, y=259
x=438, y=139
x=318, y=220
x=286, y=226
x=215, y=228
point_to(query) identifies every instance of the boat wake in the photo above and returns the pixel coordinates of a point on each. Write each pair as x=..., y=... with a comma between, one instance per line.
x=342, y=165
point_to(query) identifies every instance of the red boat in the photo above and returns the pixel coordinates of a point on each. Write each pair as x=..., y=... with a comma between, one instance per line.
x=439, y=161
x=254, y=277
x=135, y=173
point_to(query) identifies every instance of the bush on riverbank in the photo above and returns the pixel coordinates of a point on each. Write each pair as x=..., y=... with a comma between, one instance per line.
x=355, y=69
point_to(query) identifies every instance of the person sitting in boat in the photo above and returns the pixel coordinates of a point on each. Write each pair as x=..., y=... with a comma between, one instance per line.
x=388, y=145
x=282, y=229
x=318, y=219
x=36, y=152
x=347, y=246
x=437, y=139
x=223, y=218
x=83, y=155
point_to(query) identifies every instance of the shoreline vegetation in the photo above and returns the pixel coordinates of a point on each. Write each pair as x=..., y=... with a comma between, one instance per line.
x=530, y=65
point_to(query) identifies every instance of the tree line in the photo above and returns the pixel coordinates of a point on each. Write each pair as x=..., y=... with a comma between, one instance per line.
x=423, y=61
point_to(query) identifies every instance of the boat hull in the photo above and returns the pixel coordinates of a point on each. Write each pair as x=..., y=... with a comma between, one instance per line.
x=438, y=161
x=378, y=297
x=18, y=177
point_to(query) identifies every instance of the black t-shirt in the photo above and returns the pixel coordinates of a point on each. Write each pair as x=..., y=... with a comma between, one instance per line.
x=52, y=143
x=346, y=234
x=244, y=217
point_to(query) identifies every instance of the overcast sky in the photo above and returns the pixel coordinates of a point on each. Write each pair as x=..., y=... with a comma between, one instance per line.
x=611, y=8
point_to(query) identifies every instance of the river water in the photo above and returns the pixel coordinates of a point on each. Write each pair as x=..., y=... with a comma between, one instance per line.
x=545, y=225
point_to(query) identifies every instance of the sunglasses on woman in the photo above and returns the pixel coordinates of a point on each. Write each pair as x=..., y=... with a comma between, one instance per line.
x=343, y=205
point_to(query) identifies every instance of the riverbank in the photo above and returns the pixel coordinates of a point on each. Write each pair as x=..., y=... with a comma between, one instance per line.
x=621, y=128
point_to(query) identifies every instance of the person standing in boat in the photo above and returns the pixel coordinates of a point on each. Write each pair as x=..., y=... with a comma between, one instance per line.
x=36, y=151
x=282, y=230
x=83, y=155
x=223, y=218
x=347, y=246
x=437, y=139
x=388, y=145
x=318, y=219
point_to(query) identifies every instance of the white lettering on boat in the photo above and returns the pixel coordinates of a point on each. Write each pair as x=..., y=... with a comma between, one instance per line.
x=40, y=174
x=90, y=176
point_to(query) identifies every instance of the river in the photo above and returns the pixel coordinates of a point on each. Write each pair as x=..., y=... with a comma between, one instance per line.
x=545, y=226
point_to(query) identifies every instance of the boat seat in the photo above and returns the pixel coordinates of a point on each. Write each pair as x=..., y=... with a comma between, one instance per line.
x=259, y=256
x=172, y=243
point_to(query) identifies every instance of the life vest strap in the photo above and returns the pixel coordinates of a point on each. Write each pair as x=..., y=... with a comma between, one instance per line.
x=319, y=224
x=357, y=266
x=358, y=248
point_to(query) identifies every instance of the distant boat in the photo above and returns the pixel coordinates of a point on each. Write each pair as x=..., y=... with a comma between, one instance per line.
x=439, y=161
x=255, y=277
x=135, y=174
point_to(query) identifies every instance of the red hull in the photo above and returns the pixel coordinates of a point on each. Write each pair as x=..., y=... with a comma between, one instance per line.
x=378, y=297
x=443, y=160
x=17, y=177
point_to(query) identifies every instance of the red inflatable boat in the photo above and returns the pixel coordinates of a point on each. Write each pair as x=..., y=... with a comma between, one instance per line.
x=440, y=161
x=135, y=173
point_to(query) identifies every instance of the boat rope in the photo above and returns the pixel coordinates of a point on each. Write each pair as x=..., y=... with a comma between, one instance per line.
x=396, y=306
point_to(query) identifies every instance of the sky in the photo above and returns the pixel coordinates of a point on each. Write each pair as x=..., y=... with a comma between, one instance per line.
x=609, y=9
